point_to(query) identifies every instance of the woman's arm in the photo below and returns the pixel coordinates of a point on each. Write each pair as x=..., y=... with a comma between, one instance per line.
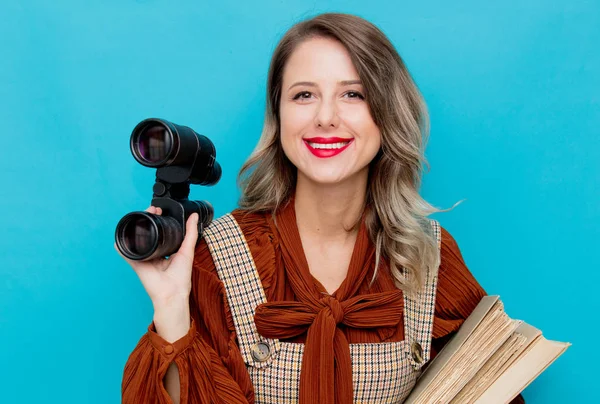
x=204, y=364
x=172, y=324
x=172, y=383
x=458, y=293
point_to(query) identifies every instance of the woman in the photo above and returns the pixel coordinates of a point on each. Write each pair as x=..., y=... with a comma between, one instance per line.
x=328, y=284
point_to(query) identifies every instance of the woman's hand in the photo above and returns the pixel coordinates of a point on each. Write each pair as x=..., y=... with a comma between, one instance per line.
x=168, y=282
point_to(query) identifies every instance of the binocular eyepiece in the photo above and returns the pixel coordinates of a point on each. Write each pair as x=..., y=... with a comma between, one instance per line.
x=181, y=157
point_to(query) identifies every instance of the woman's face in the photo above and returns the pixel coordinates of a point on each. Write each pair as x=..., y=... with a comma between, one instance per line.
x=327, y=131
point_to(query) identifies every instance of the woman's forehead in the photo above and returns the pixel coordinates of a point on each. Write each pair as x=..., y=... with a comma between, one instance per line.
x=320, y=60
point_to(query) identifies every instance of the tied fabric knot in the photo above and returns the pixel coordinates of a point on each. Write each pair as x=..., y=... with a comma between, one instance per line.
x=326, y=371
x=333, y=307
x=326, y=375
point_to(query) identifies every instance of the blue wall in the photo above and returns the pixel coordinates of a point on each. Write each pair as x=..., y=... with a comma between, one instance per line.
x=513, y=92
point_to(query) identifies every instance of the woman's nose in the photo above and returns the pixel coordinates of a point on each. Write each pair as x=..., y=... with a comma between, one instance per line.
x=327, y=114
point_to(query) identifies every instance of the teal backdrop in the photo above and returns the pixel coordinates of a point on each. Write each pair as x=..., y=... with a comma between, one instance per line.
x=512, y=87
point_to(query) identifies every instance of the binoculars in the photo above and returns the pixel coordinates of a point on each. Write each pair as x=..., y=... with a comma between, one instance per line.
x=181, y=157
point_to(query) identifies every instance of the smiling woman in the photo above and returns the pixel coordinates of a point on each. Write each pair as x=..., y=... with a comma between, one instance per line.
x=335, y=77
x=324, y=112
x=329, y=284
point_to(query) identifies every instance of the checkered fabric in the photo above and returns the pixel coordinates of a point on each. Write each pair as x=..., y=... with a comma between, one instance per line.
x=235, y=266
x=422, y=307
x=381, y=373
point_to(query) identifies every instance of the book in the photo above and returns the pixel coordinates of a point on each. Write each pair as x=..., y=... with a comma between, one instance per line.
x=491, y=359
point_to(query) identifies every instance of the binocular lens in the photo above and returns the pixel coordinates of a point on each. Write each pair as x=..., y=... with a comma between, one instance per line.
x=155, y=144
x=144, y=236
x=138, y=236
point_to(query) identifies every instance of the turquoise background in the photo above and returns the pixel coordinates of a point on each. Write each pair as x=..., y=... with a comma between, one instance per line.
x=512, y=88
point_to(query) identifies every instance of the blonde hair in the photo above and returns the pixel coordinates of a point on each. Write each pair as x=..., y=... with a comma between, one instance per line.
x=395, y=212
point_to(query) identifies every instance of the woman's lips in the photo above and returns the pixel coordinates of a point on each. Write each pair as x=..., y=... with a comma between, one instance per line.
x=334, y=146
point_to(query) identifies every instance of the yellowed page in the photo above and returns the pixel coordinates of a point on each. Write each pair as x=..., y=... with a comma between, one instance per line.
x=492, y=369
x=481, y=335
x=524, y=371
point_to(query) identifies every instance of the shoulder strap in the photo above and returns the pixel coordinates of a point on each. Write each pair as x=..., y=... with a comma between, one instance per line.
x=236, y=269
x=420, y=309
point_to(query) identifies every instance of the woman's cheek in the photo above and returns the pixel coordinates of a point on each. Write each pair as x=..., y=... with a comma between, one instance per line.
x=357, y=115
x=302, y=116
x=289, y=116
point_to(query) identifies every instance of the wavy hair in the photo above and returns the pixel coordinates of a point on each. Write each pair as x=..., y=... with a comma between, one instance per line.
x=395, y=213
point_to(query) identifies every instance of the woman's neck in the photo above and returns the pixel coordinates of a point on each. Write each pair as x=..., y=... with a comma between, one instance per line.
x=327, y=211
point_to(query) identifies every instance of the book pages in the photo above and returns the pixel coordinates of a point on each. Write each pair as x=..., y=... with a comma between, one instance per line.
x=524, y=371
x=491, y=359
x=481, y=335
x=492, y=369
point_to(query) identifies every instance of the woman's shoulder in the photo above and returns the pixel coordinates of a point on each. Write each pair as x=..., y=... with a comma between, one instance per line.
x=258, y=231
x=451, y=258
x=255, y=229
x=448, y=242
x=457, y=286
x=250, y=220
x=252, y=224
x=259, y=235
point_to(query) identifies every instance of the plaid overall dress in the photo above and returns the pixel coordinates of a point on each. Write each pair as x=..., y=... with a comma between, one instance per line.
x=381, y=372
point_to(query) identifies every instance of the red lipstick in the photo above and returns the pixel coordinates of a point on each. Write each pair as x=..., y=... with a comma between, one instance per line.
x=327, y=140
x=313, y=145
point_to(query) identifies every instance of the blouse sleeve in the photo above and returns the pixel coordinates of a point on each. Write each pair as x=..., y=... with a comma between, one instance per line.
x=458, y=293
x=211, y=368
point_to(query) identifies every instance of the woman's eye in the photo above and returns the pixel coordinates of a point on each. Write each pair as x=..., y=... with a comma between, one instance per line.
x=303, y=95
x=355, y=94
x=306, y=95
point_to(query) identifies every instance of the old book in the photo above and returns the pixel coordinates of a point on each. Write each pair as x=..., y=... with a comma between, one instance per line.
x=491, y=359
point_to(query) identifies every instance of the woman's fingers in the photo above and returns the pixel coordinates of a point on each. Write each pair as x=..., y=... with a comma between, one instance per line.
x=154, y=210
x=191, y=235
x=188, y=246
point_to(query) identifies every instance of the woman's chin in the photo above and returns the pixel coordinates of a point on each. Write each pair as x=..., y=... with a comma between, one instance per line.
x=327, y=179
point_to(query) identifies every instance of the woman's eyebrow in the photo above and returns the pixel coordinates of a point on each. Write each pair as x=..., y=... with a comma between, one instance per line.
x=311, y=84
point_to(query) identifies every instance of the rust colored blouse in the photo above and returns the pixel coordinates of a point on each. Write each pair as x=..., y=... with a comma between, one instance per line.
x=211, y=368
